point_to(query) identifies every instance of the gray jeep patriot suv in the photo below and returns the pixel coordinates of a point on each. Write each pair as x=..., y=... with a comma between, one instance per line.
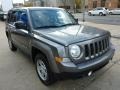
x=56, y=42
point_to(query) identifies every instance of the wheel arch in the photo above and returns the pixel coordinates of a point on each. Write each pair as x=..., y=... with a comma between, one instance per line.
x=47, y=52
x=35, y=51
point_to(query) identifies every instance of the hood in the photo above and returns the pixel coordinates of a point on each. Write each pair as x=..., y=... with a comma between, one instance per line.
x=71, y=34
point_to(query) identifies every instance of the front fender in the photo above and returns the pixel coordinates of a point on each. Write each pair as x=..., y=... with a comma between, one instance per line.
x=48, y=51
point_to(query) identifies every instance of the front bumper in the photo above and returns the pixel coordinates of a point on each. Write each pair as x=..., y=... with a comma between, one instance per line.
x=70, y=67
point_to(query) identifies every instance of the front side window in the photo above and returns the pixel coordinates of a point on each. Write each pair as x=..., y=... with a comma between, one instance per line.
x=50, y=18
x=17, y=15
x=11, y=17
x=22, y=16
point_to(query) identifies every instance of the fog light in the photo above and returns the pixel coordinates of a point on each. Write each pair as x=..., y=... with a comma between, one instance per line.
x=58, y=59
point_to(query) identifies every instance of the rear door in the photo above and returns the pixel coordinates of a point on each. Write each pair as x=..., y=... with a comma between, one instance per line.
x=100, y=10
x=95, y=11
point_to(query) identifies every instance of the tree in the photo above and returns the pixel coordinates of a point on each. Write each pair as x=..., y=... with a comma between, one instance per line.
x=28, y=4
x=64, y=2
x=78, y=4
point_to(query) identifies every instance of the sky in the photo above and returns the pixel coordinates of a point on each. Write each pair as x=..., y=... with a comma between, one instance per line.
x=18, y=1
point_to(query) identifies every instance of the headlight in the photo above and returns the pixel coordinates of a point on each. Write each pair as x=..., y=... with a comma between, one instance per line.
x=75, y=51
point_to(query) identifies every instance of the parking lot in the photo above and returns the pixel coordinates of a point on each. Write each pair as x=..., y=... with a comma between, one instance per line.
x=17, y=72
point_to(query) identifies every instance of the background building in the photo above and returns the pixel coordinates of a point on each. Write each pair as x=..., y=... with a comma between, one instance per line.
x=53, y=3
x=68, y=4
x=104, y=3
x=73, y=5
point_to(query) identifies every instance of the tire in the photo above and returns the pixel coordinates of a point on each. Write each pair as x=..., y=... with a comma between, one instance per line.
x=43, y=70
x=89, y=14
x=101, y=14
x=11, y=45
x=110, y=13
x=105, y=15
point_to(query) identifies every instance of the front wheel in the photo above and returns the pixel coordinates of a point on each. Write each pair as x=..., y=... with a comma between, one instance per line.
x=43, y=70
x=90, y=14
x=110, y=13
x=11, y=45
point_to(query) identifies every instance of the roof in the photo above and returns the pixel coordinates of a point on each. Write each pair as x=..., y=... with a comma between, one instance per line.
x=37, y=8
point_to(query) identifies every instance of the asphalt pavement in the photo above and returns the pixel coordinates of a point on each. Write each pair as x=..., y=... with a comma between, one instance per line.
x=17, y=72
x=109, y=19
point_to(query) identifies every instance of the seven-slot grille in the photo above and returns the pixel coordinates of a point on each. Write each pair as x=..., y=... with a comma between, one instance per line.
x=96, y=48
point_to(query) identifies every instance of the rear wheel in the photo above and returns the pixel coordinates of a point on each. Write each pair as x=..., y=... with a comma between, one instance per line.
x=101, y=14
x=43, y=70
x=11, y=45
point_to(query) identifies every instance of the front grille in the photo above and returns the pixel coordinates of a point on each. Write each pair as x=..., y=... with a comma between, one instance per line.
x=96, y=48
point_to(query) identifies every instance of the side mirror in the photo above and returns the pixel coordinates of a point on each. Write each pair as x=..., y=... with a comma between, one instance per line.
x=20, y=25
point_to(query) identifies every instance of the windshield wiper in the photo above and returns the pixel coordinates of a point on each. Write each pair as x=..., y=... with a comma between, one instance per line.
x=56, y=26
x=46, y=27
x=69, y=24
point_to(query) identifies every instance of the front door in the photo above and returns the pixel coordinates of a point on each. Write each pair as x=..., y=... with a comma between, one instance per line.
x=21, y=37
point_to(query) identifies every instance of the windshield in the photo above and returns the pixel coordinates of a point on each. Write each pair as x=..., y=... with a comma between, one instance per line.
x=51, y=18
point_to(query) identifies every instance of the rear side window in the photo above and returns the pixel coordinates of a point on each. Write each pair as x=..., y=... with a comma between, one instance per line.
x=99, y=8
